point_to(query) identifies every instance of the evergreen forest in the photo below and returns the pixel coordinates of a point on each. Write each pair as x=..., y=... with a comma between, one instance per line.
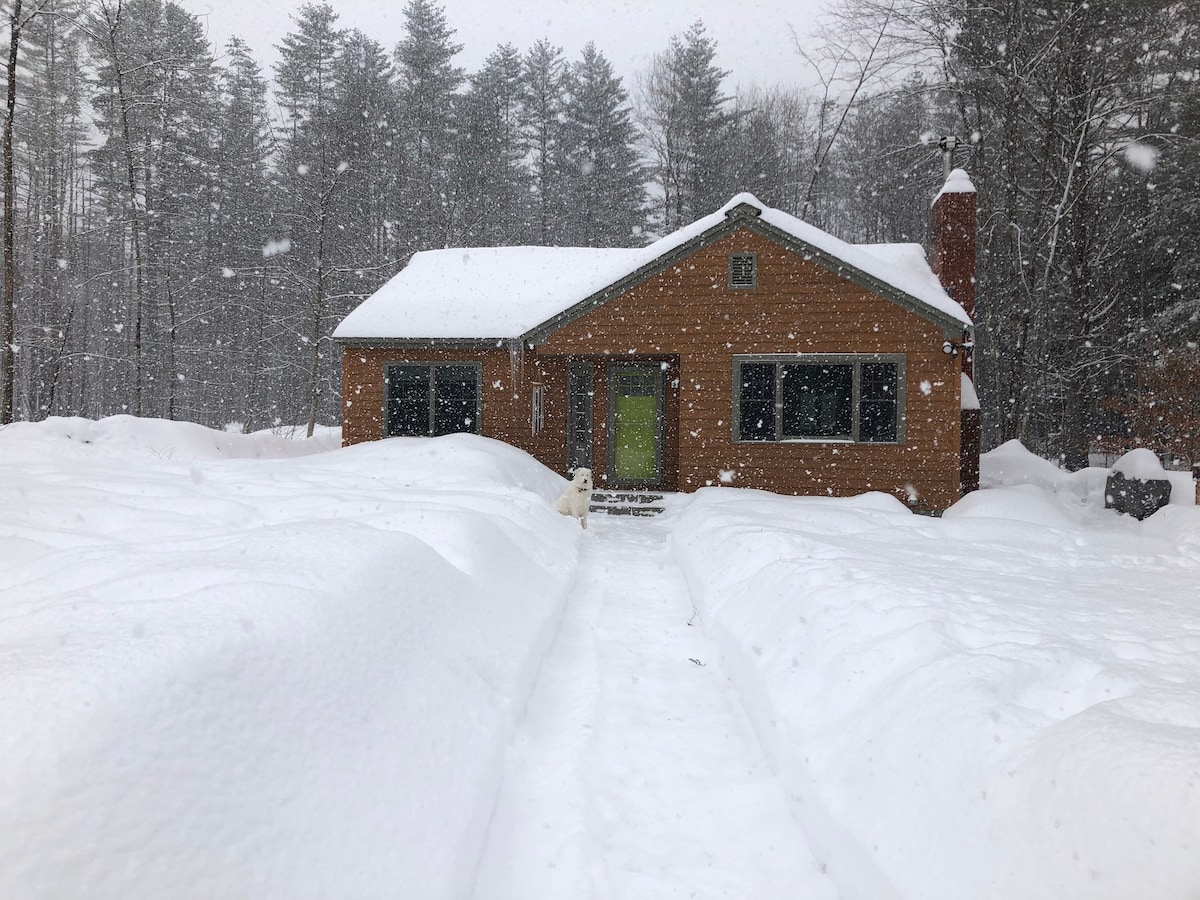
x=183, y=230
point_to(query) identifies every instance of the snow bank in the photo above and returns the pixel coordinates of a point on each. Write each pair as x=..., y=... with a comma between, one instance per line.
x=164, y=439
x=240, y=677
x=1141, y=463
x=1079, y=495
x=1002, y=703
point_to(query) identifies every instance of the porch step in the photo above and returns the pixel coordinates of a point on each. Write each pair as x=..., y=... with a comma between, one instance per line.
x=627, y=503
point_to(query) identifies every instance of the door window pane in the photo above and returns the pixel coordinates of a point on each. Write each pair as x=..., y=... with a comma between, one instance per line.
x=635, y=455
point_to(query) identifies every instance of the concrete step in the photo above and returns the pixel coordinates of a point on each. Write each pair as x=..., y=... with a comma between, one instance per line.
x=625, y=497
x=613, y=510
x=627, y=503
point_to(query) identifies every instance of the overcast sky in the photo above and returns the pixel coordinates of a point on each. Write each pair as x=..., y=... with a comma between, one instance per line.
x=753, y=36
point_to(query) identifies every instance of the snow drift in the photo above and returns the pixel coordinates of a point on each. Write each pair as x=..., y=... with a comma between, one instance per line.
x=232, y=666
x=1003, y=703
x=239, y=677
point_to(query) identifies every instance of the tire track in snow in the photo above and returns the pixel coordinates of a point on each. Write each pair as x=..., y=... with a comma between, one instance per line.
x=635, y=773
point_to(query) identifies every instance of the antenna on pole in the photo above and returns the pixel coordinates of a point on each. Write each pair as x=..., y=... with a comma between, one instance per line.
x=947, y=145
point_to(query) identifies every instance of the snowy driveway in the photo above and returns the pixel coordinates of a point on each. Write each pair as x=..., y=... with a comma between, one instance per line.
x=393, y=671
x=635, y=773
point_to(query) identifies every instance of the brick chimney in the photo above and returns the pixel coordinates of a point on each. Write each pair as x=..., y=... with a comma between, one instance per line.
x=953, y=259
x=953, y=262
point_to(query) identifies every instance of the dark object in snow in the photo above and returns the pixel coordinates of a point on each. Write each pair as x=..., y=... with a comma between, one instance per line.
x=1139, y=497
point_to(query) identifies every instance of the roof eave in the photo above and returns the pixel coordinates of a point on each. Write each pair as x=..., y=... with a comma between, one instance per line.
x=449, y=343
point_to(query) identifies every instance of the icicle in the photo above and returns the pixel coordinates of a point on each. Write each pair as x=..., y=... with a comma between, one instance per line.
x=516, y=363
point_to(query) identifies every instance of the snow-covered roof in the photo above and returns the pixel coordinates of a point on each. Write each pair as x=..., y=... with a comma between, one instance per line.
x=908, y=262
x=497, y=293
x=484, y=292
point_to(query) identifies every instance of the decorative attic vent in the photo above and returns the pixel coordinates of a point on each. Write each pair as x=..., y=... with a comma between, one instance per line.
x=743, y=270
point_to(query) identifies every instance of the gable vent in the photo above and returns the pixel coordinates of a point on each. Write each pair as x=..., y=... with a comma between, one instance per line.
x=743, y=270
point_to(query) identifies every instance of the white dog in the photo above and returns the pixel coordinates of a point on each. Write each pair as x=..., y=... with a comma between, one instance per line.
x=576, y=499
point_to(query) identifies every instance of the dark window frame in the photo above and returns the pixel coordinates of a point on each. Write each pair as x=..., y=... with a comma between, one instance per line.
x=855, y=361
x=475, y=365
x=743, y=285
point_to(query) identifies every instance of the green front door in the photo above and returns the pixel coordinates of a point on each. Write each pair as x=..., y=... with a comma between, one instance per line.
x=636, y=410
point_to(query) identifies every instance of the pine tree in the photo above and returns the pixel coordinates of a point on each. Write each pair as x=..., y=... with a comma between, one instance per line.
x=312, y=180
x=770, y=146
x=180, y=194
x=684, y=116
x=304, y=74
x=494, y=188
x=544, y=75
x=242, y=223
x=603, y=177
x=243, y=147
x=124, y=38
x=156, y=87
x=367, y=119
x=48, y=142
x=428, y=84
x=1063, y=91
x=883, y=172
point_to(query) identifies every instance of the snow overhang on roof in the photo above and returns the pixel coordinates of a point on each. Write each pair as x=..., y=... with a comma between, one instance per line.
x=488, y=296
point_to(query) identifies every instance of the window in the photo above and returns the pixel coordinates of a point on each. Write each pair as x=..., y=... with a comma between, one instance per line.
x=743, y=270
x=425, y=399
x=837, y=397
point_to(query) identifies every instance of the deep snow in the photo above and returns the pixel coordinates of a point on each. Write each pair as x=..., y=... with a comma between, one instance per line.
x=225, y=677
x=1001, y=703
x=244, y=666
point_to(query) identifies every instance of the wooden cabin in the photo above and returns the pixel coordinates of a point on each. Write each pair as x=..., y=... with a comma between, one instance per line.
x=747, y=349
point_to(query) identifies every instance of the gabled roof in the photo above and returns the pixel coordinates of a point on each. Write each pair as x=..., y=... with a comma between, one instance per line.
x=490, y=295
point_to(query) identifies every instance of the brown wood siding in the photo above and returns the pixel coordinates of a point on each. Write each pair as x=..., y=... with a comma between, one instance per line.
x=689, y=312
x=506, y=402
